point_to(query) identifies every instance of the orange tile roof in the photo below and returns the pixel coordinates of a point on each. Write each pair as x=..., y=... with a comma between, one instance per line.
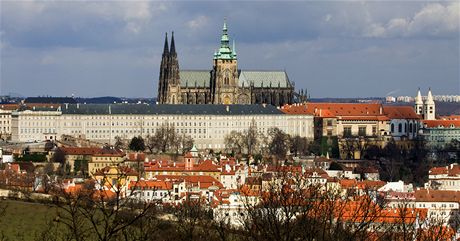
x=424, y=195
x=400, y=112
x=450, y=117
x=441, y=123
x=453, y=170
x=9, y=106
x=348, y=111
x=81, y=150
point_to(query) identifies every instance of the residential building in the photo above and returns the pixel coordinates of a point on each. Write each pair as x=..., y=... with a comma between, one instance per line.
x=191, y=166
x=438, y=133
x=105, y=158
x=444, y=178
x=442, y=205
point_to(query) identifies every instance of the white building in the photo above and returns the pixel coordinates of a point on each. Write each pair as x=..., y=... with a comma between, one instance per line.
x=5, y=122
x=206, y=124
x=444, y=178
x=404, y=121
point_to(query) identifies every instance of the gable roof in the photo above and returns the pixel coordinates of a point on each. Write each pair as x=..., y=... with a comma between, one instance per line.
x=264, y=78
x=195, y=78
x=441, y=123
x=400, y=112
x=256, y=78
x=346, y=111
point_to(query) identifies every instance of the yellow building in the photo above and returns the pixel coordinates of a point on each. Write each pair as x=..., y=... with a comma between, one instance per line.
x=109, y=158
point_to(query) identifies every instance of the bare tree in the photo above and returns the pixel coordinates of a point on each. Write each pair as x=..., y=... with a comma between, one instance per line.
x=103, y=210
x=279, y=142
x=234, y=142
x=251, y=137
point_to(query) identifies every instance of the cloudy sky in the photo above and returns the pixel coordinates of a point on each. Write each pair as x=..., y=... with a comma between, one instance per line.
x=332, y=48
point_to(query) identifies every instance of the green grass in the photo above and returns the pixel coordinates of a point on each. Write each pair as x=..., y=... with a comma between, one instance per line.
x=24, y=220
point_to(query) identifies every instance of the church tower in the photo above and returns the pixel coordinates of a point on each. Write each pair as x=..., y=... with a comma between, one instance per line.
x=418, y=103
x=429, y=111
x=224, y=82
x=169, y=81
x=163, y=80
x=173, y=71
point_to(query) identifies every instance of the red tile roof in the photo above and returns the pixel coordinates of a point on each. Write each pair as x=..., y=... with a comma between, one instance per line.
x=424, y=195
x=441, y=123
x=452, y=170
x=353, y=111
x=400, y=112
x=81, y=150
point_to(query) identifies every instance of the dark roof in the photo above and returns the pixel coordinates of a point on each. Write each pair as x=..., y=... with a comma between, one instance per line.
x=146, y=109
x=50, y=100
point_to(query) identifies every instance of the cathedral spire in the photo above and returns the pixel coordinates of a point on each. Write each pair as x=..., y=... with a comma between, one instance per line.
x=173, y=45
x=225, y=52
x=166, y=47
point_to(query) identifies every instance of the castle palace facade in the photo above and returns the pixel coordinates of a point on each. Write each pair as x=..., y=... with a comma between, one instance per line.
x=224, y=84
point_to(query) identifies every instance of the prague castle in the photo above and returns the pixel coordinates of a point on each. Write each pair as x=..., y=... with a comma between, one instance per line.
x=224, y=83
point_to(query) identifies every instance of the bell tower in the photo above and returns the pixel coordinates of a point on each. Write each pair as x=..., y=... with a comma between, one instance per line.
x=224, y=86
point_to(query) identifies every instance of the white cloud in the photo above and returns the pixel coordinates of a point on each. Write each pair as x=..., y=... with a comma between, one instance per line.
x=434, y=19
x=198, y=22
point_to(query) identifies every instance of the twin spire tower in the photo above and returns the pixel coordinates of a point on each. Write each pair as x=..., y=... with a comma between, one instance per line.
x=169, y=70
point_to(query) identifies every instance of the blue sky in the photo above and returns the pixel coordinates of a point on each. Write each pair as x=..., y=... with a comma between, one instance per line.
x=331, y=48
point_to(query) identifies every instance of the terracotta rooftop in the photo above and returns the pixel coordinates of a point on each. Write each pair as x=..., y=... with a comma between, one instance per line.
x=425, y=195
x=343, y=110
x=151, y=184
x=441, y=123
x=400, y=112
x=451, y=170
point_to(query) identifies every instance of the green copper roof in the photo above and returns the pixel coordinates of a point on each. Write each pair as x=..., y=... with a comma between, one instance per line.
x=256, y=78
x=225, y=52
x=264, y=79
x=192, y=78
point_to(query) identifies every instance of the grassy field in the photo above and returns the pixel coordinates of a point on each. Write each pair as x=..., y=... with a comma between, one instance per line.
x=23, y=220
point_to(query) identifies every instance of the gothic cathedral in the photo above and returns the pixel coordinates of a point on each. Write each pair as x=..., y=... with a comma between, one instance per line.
x=224, y=84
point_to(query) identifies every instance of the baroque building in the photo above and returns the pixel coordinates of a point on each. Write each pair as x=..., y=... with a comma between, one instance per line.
x=224, y=83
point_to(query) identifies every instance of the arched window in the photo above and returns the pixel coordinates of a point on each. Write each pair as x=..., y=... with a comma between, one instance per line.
x=405, y=127
x=392, y=127
x=400, y=127
x=410, y=127
x=226, y=78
